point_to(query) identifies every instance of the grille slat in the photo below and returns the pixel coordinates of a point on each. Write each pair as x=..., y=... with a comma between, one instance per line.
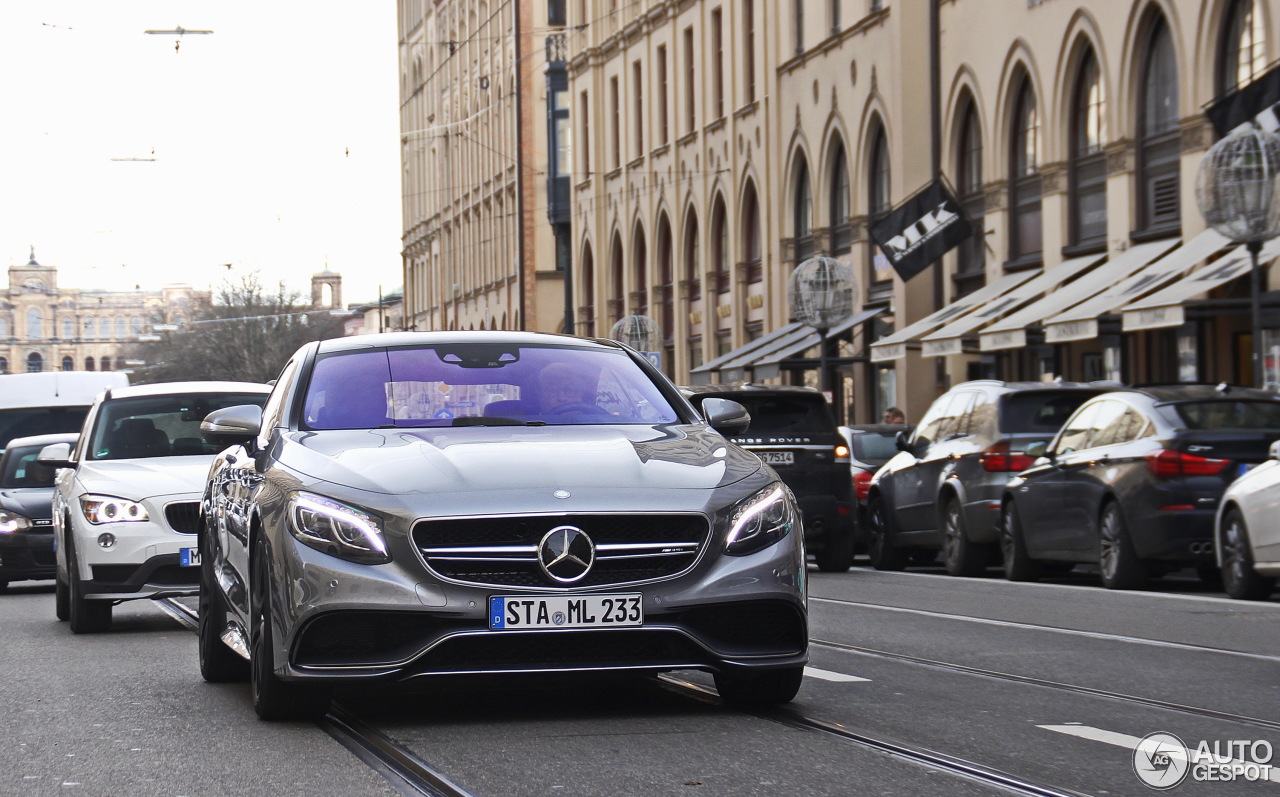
x=629, y=548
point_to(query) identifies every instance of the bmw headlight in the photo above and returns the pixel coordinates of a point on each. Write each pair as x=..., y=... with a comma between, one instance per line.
x=99, y=509
x=761, y=520
x=12, y=521
x=337, y=529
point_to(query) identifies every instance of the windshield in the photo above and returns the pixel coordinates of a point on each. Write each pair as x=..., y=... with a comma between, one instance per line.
x=1040, y=411
x=22, y=470
x=481, y=384
x=874, y=447
x=31, y=421
x=1227, y=414
x=784, y=414
x=159, y=426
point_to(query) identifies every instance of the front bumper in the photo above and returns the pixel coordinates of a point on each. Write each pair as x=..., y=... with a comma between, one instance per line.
x=25, y=556
x=160, y=576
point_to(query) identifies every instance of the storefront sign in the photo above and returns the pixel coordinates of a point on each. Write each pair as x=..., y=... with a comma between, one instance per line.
x=1011, y=339
x=1153, y=318
x=941, y=348
x=890, y=351
x=1071, y=330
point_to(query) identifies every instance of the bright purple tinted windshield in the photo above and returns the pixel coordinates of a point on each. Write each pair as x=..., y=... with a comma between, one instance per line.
x=481, y=384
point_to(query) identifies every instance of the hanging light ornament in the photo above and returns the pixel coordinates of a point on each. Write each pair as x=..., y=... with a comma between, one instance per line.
x=640, y=332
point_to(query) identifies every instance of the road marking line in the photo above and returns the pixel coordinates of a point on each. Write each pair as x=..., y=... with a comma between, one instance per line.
x=1128, y=742
x=1048, y=628
x=827, y=675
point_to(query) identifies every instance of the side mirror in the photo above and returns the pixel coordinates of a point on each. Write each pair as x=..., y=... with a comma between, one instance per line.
x=56, y=455
x=902, y=440
x=231, y=426
x=726, y=416
x=1037, y=449
x=1274, y=451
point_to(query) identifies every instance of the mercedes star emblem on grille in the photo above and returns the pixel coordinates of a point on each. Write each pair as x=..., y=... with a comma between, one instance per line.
x=566, y=554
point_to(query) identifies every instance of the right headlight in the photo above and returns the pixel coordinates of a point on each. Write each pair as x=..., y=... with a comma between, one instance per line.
x=761, y=520
x=100, y=509
x=337, y=529
x=12, y=521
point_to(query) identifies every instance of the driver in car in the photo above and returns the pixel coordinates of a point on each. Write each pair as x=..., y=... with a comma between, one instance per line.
x=565, y=390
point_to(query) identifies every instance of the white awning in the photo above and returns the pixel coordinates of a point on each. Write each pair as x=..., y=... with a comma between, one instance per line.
x=1011, y=331
x=1164, y=308
x=950, y=339
x=1081, y=321
x=894, y=347
x=750, y=347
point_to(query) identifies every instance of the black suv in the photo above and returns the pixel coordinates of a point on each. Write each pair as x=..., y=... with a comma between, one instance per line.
x=943, y=490
x=792, y=430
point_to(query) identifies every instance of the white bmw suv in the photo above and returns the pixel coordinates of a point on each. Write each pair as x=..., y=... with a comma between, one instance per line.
x=127, y=500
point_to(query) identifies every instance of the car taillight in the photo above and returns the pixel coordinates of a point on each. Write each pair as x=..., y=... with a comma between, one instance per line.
x=862, y=484
x=1170, y=464
x=999, y=459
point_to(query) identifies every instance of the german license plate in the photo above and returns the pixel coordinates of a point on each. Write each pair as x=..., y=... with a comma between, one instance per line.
x=538, y=612
x=778, y=457
x=190, y=557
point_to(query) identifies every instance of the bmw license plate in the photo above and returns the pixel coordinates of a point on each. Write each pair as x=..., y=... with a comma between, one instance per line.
x=190, y=557
x=778, y=457
x=538, y=612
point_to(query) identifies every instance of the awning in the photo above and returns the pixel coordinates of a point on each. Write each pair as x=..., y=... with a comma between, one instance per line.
x=1164, y=308
x=1011, y=331
x=812, y=339
x=1081, y=321
x=765, y=355
x=746, y=348
x=894, y=347
x=950, y=339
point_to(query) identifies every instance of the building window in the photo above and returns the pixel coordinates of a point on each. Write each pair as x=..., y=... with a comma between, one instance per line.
x=749, y=49
x=663, y=128
x=68, y=364
x=751, y=235
x=121, y=328
x=588, y=309
x=690, y=73
x=585, y=146
x=639, y=259
x=1087, y=168
x=695, y=352
x=720, y=247
x=637, y=77
x=1243, y=51
x=1024, y=178
x=135, y=326
x=971, y=253
x=89, y=364
x=717, y=61
x=802, y=212
x=839, y=202
x=666, y=276
x=90, y=330
x=68, y=328
x=4, y=365
x=1159, y=145
x=35, y=324
x=878, y=204
x=615, y=131
x=35, y=363
x=120, y=364
x=692, y=266
x=564, y=133
x=797, y=19
x=4, y=327
x=835, y=16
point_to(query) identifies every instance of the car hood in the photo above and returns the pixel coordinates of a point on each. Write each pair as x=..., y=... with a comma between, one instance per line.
x=145, y=478
x=30, y=502
x=475, y=459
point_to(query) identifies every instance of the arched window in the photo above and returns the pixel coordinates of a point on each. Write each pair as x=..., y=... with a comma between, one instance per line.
x=1024, y=178
x=4, y=365
x=587, y=314
x=751, y=235
x=35, y=324
x=35, y=363
x=971, y=254
x=135, y=323
x=666, y=278
x=1087, y=167
x=1242, y=54
x=120, y=364
x=640, y=258
x=878, y=205
x=1159, y=142
x=90, y=331
x=802, y=212
x=68, y=364
x=121, y=328
x=89, y=364
x=692, y=263
x=68, y=328
x=838, y=202
x=4, y=327
x=720, y=247
x=618, y=302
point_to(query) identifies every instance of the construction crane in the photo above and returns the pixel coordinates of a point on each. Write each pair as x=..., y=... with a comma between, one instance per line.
x=179, y=31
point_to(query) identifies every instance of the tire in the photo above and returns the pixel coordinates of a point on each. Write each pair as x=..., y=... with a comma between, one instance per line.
x=1239, y=579
x=836, y=555
x=883, y=555
x=759, y=689
x=1018, y=565
x=86, y=616
x=960, y=555
x=273, y=698
x=61, y=600
x=218, y=663
x=1118, y=562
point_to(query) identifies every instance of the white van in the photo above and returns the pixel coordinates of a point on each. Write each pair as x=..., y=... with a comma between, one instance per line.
x=50, y=401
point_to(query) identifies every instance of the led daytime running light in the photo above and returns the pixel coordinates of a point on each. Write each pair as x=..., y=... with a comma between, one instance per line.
x=101, y=509
x=337, y=529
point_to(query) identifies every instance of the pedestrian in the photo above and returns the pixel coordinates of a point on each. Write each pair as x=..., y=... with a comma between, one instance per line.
x=894, y=415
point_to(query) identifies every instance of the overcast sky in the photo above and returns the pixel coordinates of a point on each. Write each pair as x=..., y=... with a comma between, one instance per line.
x=275, y=141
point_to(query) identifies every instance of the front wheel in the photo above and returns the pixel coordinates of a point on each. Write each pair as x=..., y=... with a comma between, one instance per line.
x=86, y=616
x=218, y=663
x=759, y=689
x=836, y=555
x=883, y=555
x=61, y=600
x=1117, y=560
x=273, y=698
x=1239, y=579
x=1018, y=565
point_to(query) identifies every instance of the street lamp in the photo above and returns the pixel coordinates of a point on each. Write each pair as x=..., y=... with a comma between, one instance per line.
x=820, y=295
x=641, y=333
x=1236, y=189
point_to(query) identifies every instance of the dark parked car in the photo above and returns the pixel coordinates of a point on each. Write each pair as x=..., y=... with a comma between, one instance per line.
x=870, y=447
x=1133, y=480
x=943, y=490
x=793, y=430
x=26, y=514
x=411, y=505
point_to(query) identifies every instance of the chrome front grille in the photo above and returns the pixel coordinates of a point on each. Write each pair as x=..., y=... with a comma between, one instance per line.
x=503, y=551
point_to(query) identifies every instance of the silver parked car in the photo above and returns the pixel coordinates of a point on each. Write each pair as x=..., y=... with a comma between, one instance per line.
x=1246, y=534
x=415, y=504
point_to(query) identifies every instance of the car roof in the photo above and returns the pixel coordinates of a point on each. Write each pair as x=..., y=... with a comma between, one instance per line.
x=44, y=439
x=1055, y=385
x=381, y=339
x=173, y=388
x=877, y=428
x=1189, y=392
x=748, y=388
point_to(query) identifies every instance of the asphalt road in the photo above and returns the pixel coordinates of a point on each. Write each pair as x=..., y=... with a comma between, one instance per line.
x=1052, y=684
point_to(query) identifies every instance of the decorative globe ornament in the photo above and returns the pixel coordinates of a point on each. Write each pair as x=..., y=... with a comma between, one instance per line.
x=820, y=292
x=1236, y=186
x=640, y=332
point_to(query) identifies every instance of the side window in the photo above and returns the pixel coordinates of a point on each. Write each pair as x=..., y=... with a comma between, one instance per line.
x=273, y=412
x=1075, y=433
x=927, y=431
x=1109, y=424
x=982, y=418
x=956, y=420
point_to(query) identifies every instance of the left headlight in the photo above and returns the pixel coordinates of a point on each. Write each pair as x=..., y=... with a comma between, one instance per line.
x=11, y=522
x=761, y=520
x=337, y=529
x=99, y=509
